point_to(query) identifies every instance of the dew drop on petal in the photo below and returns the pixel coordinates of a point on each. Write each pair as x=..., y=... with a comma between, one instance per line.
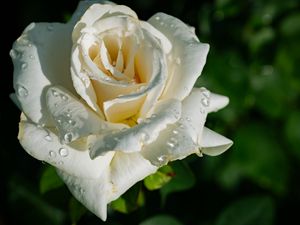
x=54, y=93
x=175, y=131
x=71, y=122
x=31, y=57
x=60, y=163
x=24, y=66
x=52, y=154
x=63, y=152
x=21, y=91
x=63, y=97
x=205, y=102
x=157, y=18
x=48, y=138
x=68, y=137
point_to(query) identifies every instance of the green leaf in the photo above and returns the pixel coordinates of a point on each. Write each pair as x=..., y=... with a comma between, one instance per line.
x=49, y=180
x=160, y=178
x=161, y=220
x=248, y=211
x=76, y=209
x=291, y=25
x=183, y=179
x=292, y=132
x=256, y=155
x=130, y=201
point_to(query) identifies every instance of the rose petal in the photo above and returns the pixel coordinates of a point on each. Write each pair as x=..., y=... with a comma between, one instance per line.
x=39, y=58
x=217, y=102
x=74, y=119
x=97, y=11
x=44, y=145
x=133, y=139
x=179, y=140
x=152, y=92
x=92, y=193
x=213, y=143
x=188, y=55
x=125, y=170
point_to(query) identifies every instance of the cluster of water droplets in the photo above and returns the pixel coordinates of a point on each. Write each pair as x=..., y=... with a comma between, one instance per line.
x=64, y=119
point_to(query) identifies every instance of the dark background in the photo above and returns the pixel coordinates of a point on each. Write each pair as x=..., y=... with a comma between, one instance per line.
x=254, y=59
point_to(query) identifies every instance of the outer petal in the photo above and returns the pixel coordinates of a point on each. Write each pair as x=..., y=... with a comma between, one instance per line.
x=125, y=170
x=188, y=55
x=44, y=145
x=147, y=131
x=97, y=11
x=73, y=118
x=213, y=143
x=94, y=194
x=179, y=140
x=217, y=102
x=39, y=58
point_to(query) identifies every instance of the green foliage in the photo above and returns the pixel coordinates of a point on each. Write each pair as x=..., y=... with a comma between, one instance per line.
x=248, y=211
x=161, y=219
x=183, y=179
x=49, y=180
x=76, y=209
x=130, y=201
x=159, y=179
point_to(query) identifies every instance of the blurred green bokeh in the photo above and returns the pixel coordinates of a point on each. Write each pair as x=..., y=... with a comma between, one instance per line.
x=254, y=53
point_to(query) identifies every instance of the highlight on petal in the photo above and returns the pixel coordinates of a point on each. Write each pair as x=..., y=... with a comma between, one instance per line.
x=43, y=144
x=213, y=143
x=133, y=139
x=39, y=56
x=187, y=57
x=74, y=119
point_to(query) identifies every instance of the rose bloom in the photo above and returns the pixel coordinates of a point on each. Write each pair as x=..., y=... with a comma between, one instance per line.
x=107, y=98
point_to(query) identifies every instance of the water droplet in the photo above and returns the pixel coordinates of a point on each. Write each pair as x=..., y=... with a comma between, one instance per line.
x=64, y=97
x=72, y=122
x=81, y=190
x=68, y=115
x=178, y=60
x=205, y=92
x=68, y=137
x=60, y=163
x=170, y=144
x=14, y=53
x=63, y=152
x=52, y=154
x=161, y=23
x=24, y=66
x=54, y=93
x=145, y=137
x=59, y=121
x=188, y=119
x=181, y=126
x=161, y=160
x=50, y=27
x=31, y=57
x=48, y=137
x=185, y=88
x=29, y=45
x=22, y=91
x=172, y=25
x=116, y=139
x=175, y=131
x=205, y=102
x=157, y=18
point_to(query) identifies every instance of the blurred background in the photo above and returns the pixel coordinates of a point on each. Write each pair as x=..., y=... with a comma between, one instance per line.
x=254, y=59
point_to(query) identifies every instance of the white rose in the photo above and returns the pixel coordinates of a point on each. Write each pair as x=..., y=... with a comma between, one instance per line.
x=107, y=99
